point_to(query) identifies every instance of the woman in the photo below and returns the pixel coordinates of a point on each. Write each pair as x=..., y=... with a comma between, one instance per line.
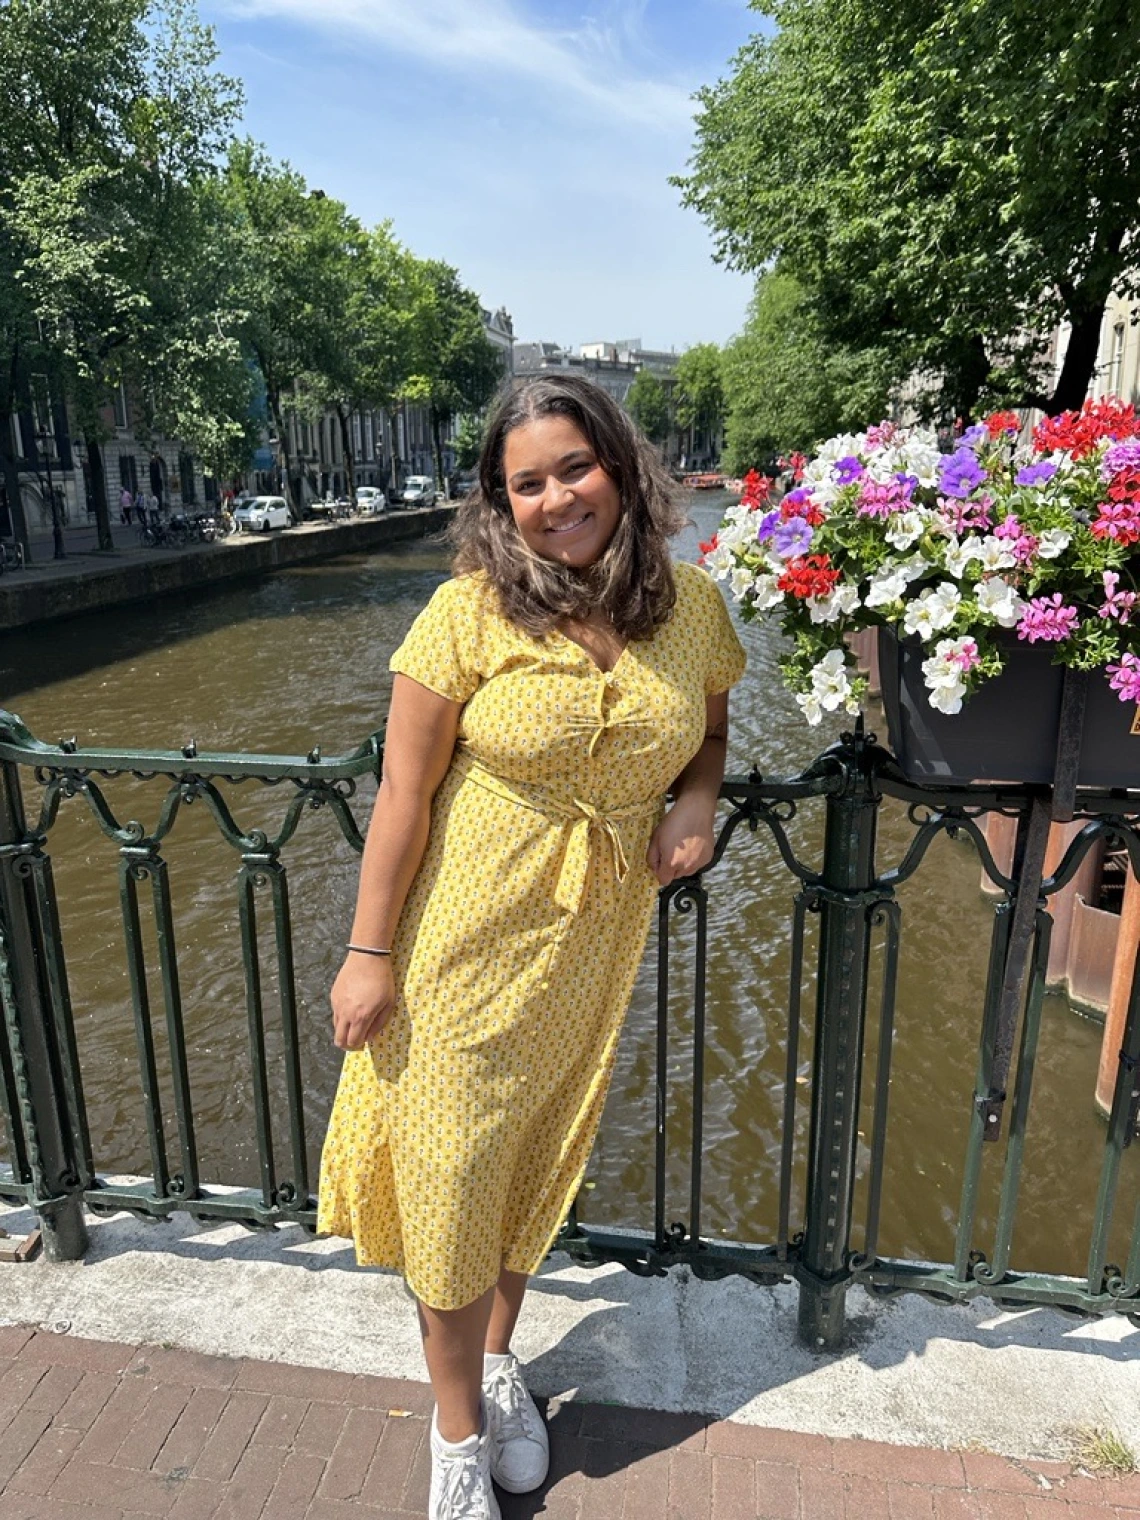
x=543, y=704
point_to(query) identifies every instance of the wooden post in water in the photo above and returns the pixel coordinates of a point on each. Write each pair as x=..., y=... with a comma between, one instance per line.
x=1122, y=969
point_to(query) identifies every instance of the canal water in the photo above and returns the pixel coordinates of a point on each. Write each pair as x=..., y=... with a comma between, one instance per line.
x=299, y=658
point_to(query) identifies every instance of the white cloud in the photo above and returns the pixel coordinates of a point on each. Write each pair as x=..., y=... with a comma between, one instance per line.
x=493, y=38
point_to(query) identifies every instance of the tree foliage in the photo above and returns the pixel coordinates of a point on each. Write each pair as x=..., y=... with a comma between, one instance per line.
x=785, y=386
x=455, y=367
x=648, y=405
x=112, y=113
x=698, y=392
x=946, y=181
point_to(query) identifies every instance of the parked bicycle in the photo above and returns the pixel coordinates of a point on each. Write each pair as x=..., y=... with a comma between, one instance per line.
x=11, y=555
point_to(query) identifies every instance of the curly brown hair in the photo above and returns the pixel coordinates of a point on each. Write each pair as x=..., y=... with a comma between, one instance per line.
x=633, y=579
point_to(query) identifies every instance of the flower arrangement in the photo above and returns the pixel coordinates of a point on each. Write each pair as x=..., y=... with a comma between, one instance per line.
x=888, y=529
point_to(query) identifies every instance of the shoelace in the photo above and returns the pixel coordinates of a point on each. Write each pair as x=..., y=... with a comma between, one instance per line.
x=504, y=1388
x=463, y=1493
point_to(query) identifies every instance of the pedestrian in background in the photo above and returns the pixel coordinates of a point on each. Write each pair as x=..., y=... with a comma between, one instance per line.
x=544, y=703
x=126, y=504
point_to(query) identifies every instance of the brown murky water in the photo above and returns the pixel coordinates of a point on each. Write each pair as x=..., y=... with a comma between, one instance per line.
x=279, y=664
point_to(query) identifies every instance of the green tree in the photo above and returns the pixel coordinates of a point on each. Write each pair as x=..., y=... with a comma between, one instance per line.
x=786, y=387
x=456, y=368
x=468, y=443
x=698, y=395
x=111, y=111
x=969, y=181
x=285, y=279
x=648, y=405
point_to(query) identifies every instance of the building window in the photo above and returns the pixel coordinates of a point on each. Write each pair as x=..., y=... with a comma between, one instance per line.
x=357, y=436
x=120, y=405
x=186, y=476
x=128, y=474
x=1116, y=369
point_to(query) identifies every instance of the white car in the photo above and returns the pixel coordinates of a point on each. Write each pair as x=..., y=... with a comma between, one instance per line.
x=370, y=499
x=260, y=513
x=419, y=491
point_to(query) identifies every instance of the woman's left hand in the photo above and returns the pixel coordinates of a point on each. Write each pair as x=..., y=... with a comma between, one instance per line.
x=683, y=841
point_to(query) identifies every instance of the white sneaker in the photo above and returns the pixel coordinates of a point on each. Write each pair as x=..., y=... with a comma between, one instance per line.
x=520, y=1447
x=461, y=1477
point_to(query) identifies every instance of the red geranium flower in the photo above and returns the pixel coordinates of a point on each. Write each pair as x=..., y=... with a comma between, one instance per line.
x=1078, y=433
x=810, y=576
x=1003, y=422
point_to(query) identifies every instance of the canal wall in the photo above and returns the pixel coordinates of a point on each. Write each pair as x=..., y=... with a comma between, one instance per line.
x=91, y=582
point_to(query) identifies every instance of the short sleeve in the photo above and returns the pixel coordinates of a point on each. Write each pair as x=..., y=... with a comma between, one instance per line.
x=724, y=654
x=441, y=650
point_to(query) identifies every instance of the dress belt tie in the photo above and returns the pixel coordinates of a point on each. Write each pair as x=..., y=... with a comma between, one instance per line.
x=583, y=822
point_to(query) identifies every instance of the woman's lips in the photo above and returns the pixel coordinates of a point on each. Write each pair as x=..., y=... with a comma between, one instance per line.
x=569, y=527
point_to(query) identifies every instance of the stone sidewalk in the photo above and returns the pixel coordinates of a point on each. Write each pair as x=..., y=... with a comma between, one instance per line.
x=95, y=1430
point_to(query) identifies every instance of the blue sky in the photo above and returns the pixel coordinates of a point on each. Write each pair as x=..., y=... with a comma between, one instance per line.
x=528, y=142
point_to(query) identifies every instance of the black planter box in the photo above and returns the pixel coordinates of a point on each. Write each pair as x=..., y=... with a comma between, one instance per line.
x=1007, y=729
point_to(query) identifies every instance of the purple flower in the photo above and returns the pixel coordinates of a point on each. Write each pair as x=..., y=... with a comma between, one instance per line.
x=1125, y=678
x=1036, y=474
x=960, y=473
x=1121, y=456
x=792, y=538
x=1047, y=618
x=797, y=497
x=768, y=525
x=848, y=469
x=974, y=435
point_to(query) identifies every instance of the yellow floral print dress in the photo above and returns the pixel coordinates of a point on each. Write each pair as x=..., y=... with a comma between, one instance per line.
x=460, y=1136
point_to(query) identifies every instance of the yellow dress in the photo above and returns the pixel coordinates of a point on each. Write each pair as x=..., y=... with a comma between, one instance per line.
x=460, y=1136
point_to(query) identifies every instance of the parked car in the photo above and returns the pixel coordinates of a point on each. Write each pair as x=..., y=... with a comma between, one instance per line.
x=370, y=499
x=260, y=513
x=419, y=491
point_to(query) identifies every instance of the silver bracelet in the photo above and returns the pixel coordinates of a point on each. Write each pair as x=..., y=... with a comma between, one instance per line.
x=367, y=950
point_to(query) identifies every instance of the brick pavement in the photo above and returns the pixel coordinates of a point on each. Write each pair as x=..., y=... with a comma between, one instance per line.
x=94, y=1430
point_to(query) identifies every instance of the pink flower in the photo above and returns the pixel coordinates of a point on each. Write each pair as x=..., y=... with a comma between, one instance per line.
x=1119, y=520
x=1125, y=678
x=966, y=515
x=877, y=500
x=1047, y=618
x=1010, y=528
x=1117, y=604
x=1024, y=548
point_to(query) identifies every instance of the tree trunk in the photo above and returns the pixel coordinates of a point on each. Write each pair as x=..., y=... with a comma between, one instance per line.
x=292, y=493
x=346, y=448
x=12, y=483
x=395, y=461
x=98, y=490
x=437, y=451
x=1079, y=364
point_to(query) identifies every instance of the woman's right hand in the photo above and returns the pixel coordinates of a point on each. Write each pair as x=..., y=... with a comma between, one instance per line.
x=363, y=997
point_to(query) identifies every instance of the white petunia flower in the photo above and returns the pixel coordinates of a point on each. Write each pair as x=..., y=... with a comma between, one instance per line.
x=995, y=554
x=905, y=529
x=766, y=594
x=936, y=608
x=829, y=609
x=888, y=583
x=957, y=556
x=740, y=581
x=1053, y=542
x=997, y=598
x=720, y=562
x=810, y=706
x=829, y=680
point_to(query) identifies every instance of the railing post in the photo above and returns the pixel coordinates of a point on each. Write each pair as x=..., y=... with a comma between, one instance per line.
x=841, y=1004
x=25, y=992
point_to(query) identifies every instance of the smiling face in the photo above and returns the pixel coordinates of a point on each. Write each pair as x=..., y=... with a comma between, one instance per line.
x=565, y=506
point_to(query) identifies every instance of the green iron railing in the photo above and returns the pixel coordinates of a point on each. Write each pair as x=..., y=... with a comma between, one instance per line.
x=855, y=903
